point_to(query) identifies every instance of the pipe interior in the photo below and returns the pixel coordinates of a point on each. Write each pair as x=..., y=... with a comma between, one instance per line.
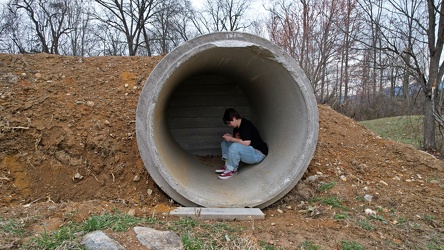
x=188, y=124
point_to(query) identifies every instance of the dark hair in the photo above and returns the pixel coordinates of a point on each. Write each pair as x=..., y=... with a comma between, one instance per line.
x=229, y=114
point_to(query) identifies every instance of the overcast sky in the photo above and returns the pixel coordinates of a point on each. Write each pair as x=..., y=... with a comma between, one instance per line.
x=257, y=5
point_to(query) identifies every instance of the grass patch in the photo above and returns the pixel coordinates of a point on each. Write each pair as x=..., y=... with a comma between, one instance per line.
x=360, y=198
x=333, y=201
x=266, y=246
x=309, y=246
x=194, y=234
x=11, y=231
x=428, y=218
x=218, y=235
x=402, y=220
x=66, y=237
x=11, y=227
x=326, y=186
x=340, y=216
x=365, y=224
x=435, y=244
x=351, y=245
x=119, y=222
x=404, y=129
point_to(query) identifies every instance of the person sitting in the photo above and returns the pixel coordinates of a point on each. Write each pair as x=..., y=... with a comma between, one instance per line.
x=245, y=144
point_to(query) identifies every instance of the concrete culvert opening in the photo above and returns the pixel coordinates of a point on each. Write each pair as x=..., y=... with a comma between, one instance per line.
x=179, y=119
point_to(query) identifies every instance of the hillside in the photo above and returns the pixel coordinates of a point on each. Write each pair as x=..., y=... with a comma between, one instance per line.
x=67, y=140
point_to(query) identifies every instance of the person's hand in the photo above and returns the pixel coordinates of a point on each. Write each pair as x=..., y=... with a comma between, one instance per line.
x=227, y=137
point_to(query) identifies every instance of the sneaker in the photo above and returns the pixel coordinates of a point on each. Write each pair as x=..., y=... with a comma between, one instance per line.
x=221, y=170
x=227, y=175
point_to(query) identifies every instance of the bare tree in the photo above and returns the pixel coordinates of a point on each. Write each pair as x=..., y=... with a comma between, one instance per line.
x=311, y=31
x=181, y=22
x=413, y=24
x=130, y=18
x=168, y=27
x=110, y=41
x=79, y=17
x=350, y=28
x=12, y=31
x=48, y=18
x=222, y=15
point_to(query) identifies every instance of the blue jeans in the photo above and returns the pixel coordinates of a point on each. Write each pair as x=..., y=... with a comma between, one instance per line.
x=234, y=153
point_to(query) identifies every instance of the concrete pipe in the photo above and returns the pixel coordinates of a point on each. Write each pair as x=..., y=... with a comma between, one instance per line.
x=179, y=119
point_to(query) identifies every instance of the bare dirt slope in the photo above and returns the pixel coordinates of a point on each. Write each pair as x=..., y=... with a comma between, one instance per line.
x=67, y=139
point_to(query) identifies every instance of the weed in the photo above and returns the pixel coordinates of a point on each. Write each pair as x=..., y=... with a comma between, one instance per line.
x=340, y=216
x=119, y=222
x=266, y=246
x=184, y=224
x=191, y=243
x=365, y=224
x=64, y=236
x=333, y=201
x=351, y=245
x=326, y=186
x=10, y=227
x=11, y=231
x=309, y=246
x=360, y=198
x=432, y=179
x=435, y=245
x=428, y=218
x=378, y=217
x=402, y=220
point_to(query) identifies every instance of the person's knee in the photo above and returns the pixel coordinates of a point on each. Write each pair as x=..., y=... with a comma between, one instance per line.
x=234, y=147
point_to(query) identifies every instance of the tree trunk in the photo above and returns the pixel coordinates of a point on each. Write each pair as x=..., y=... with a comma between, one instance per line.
x=429, y=125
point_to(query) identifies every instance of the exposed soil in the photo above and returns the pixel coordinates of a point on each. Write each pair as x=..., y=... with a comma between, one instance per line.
x=67, y=143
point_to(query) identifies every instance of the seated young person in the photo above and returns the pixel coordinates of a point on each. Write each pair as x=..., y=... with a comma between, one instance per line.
x=245, y=144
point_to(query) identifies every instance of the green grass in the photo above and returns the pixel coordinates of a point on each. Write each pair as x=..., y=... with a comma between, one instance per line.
x=365, y=224
x=435, y=244
x=340, y=216
x=333, y=201
x=326, y=186
x=118, y=222
x=309, y=246
x=11, y=231
x=350, y=245
x=404, y=129
x=194, y=234
x=63, y=238
x=11, y=227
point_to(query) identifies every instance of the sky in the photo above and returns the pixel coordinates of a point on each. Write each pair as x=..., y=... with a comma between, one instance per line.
x=257, y=5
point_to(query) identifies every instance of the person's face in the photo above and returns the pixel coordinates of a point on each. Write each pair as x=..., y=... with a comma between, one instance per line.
x=233, y=123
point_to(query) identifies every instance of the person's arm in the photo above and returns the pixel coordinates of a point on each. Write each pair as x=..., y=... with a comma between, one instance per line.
x=230, y=138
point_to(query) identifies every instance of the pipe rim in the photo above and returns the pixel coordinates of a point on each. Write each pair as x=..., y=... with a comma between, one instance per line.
x=146, y=113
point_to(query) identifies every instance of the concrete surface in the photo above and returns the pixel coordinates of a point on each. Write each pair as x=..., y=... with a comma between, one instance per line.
x=280, y=100
x=202, y=213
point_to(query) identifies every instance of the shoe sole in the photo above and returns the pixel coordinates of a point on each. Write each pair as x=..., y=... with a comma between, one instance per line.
x=226, y=177
x=219, y=171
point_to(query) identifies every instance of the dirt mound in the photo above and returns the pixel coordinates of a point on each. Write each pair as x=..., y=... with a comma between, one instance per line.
x=68, y=134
